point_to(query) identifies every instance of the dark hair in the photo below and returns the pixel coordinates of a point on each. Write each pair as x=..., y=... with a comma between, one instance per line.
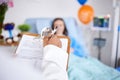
x=65, y=32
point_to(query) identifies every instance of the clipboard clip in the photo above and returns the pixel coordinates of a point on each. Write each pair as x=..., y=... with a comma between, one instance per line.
x=46, y=32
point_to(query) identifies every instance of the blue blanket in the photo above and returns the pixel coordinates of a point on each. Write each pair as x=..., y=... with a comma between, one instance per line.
x=81, y=68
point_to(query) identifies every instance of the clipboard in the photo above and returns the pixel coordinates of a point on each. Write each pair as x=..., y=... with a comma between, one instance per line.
x=60, y=37
x=64, y=40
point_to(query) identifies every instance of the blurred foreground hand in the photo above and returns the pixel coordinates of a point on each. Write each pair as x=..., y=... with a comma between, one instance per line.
x=53, y=40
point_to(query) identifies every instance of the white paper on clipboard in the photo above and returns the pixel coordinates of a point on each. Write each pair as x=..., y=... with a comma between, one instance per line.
x=29, y=47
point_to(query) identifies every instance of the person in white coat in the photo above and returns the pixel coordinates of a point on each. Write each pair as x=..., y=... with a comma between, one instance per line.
x=53, y=65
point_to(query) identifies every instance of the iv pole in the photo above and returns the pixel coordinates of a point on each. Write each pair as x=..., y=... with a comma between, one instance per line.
x=99, y=47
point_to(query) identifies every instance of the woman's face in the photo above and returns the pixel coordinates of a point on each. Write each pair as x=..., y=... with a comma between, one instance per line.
x=59, y=24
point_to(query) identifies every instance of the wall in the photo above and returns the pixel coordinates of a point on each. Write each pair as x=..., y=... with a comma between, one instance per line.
x=24, y=9
x=102, y=7
x=41, y=8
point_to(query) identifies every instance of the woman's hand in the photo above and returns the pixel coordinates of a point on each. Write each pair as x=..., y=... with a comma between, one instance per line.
x=53, y=40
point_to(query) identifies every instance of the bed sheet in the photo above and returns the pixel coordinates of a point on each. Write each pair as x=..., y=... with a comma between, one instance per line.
x=81, y=68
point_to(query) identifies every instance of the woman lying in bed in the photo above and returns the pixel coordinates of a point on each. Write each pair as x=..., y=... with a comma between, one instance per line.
x=81, y=66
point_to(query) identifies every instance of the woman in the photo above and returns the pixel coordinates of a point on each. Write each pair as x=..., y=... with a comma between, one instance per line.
x=59, y=23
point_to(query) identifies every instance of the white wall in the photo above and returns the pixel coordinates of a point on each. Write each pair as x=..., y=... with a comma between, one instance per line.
x=52, y=8
x=41, y=8
x=24, y=9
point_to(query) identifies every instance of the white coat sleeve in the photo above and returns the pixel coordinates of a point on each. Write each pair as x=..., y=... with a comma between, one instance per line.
x=54, y=63
x=12, y=69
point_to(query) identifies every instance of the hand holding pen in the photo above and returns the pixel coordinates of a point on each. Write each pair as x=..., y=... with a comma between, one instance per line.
x=52, y=39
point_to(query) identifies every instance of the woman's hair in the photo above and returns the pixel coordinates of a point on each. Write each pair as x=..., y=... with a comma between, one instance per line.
x=65, y=32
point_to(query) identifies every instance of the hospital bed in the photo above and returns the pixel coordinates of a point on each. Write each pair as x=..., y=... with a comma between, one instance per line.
x=81, y=66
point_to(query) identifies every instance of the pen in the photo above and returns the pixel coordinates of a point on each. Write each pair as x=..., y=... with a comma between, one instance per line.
x=53, y=32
